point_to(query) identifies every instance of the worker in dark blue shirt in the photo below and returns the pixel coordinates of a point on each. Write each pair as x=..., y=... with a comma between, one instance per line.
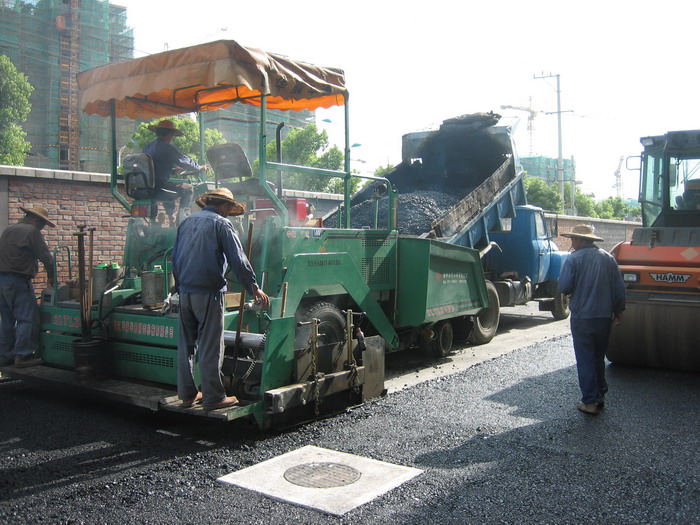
x=592, y=278
x=205, y=245
x=166, y=157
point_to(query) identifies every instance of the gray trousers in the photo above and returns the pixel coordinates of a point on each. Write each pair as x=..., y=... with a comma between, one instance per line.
x=201, y=333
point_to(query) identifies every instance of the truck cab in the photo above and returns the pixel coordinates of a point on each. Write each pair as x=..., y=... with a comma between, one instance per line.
x=526, y=262
x=525, y=248
x=670, y=182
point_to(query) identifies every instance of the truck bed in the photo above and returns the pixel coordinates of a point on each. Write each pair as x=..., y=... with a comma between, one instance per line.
x=454, y=183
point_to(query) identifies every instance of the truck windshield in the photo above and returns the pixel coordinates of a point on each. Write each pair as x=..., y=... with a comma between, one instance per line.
x=684, y=183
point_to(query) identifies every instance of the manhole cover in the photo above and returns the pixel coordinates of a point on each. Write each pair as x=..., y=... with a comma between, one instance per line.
x=322, y=475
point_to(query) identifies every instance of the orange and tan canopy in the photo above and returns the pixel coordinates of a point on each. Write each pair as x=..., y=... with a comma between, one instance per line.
x=208, y=77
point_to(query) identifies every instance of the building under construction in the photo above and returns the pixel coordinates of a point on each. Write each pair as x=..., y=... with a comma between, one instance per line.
x=546, y=168
x=50, y=41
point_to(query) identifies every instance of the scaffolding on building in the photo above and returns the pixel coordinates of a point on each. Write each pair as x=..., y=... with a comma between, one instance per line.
x=239, y=123
x=50, y=41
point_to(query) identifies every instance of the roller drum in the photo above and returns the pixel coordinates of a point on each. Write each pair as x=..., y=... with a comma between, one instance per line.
x=659, y=334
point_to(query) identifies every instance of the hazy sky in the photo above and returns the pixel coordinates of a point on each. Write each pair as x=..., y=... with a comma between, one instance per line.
x=627, y=68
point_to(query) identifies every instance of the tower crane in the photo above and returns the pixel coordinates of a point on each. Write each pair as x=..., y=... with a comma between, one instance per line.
x=530, y=121
x=618, y=177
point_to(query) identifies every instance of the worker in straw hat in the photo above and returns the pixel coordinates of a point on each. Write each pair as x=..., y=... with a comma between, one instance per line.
x=205, y=245
x=21, y=247
x=592, y=278
x=167, y=157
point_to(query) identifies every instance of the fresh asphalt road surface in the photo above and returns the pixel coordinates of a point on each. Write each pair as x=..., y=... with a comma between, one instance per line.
x=499, y=441
x=519, y=326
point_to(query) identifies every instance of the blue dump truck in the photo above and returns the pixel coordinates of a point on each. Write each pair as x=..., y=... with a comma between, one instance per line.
x=463, y=184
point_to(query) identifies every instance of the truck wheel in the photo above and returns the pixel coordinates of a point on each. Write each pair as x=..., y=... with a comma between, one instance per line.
x=486, y=323
x=561, y=305
x=440, y=344
x=461, y=328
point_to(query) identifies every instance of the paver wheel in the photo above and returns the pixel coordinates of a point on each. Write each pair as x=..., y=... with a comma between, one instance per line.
x=331, y=329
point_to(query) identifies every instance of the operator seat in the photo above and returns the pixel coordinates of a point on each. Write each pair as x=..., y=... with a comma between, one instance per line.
x=140, y=181
x=691, y=199
x=691, y=195
x=229, y=163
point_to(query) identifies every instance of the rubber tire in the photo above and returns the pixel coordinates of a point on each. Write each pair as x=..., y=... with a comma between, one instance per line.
x=486, y=323
x=441, y=344
x=331, y=328
x=461, y=328
x=560, y=309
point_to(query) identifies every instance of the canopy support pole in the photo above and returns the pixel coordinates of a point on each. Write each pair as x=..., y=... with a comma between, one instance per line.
x=115, y=168
x=262, y=162
x=346, y=181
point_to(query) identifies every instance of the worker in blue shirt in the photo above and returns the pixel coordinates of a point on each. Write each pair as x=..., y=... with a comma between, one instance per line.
x=205, y=245
x=592, y=278
x=166, y=157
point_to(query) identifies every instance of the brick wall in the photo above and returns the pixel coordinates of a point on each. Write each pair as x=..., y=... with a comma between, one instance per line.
x=611, y=230
x=71, y=203
x=77, y=198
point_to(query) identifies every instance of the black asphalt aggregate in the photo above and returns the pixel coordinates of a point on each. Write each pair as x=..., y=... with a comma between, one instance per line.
x=500, y=442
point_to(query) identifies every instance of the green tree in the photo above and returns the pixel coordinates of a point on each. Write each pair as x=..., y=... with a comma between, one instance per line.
x=187, y=144
x=585, y=204
x=382, y=171
x=15, y=91
x=635, y=213
x=604, y=209
x=308, y=147
x=613, y=208
x=541, y=194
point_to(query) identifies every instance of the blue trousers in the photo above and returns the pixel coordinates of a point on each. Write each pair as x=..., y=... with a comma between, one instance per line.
x=590, y=344
x=201, y=332
x=19, y=326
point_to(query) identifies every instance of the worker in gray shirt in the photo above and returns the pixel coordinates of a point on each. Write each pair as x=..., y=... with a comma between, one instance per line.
x=205, y=245
x=21, y=247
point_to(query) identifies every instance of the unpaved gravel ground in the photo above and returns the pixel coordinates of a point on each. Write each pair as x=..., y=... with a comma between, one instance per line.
x=499, y=443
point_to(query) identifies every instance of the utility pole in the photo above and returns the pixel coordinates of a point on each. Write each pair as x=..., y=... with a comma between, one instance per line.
x=560, y=159
x=573, y=186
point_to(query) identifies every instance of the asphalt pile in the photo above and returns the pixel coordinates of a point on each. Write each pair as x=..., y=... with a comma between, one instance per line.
x=417, y=211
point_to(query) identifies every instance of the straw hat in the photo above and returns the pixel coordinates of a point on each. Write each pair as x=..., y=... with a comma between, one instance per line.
x=583, y=231
x=221, y=194
x=40, y=212
x=166, y=124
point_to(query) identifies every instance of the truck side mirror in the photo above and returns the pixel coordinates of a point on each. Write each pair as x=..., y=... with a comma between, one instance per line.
x=672, y=174
x=634, y=163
